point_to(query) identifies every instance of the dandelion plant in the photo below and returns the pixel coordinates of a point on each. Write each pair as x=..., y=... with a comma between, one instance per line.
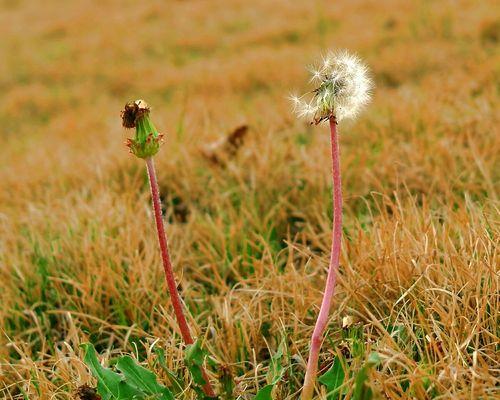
x=343, y=90
x=145, y=144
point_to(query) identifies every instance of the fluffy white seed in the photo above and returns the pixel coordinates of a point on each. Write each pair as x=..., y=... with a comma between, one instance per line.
x=344, y=89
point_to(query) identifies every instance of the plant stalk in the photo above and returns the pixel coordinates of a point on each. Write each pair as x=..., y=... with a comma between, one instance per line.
x=169, y=272
x=317, y=336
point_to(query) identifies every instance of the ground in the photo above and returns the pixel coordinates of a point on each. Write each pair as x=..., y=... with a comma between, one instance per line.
x=249, y=224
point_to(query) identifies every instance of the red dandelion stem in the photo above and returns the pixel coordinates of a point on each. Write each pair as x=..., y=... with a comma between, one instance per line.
x=169, y=272
x=319, y=329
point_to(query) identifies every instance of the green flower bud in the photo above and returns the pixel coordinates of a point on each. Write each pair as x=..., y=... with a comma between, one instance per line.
x=147, y=140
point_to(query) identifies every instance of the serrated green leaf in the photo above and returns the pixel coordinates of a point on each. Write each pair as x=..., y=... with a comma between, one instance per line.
x=142, y=379
x=333, y=379
x=110, y=385
x=107, y=380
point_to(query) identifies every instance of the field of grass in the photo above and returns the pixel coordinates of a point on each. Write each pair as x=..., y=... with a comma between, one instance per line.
x=249, y=229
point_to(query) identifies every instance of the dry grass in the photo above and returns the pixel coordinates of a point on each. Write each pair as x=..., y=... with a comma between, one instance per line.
x=250, y=236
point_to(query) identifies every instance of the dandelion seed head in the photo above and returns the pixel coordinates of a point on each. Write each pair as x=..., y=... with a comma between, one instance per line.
x=344, y=88
x=302, y=108
x=315, y=74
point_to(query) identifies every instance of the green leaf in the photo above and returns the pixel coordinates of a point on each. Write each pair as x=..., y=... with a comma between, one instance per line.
x=107, y=380
x=333, y=379
x=142, y=379
x=194, y=353
x=361, y=390
x=265, y=393
x=110, y=385
x=193, y=358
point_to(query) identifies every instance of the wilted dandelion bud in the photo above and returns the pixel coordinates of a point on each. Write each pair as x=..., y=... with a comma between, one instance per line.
x=147, y=140
x=344, y=89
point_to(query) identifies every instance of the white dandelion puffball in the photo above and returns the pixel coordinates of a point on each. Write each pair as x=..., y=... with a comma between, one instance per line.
x=344, y=89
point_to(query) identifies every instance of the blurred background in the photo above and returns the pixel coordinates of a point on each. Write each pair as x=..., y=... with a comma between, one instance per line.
x=245, y=184
x=68, y=67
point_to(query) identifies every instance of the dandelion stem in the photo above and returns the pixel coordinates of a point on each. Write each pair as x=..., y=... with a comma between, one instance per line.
x=317, y=336
x=169, y=272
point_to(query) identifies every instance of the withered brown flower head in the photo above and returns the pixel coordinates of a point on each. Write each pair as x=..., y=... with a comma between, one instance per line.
x=132, y=111
x=147, y=140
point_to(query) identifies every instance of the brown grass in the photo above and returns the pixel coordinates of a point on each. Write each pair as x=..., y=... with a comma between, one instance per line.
x=249, y=236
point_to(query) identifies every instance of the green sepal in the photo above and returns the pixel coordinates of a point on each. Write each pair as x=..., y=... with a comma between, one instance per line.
x=145, y=149
x=147, y=140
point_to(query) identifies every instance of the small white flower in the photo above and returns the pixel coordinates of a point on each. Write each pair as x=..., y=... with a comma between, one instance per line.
x=344, y=89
